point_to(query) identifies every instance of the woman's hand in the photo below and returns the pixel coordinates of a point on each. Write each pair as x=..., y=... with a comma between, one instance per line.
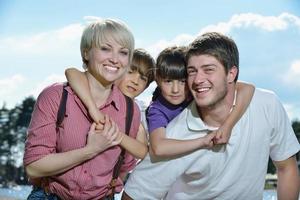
x=100, y=140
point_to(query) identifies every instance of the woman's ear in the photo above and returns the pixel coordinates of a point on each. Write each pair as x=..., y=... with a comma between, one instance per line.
x=232, y=73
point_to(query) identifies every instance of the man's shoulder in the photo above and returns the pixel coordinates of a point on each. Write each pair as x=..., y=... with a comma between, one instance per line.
x=264, y=96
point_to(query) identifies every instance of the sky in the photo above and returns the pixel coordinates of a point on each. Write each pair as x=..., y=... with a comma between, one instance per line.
x=40, y=39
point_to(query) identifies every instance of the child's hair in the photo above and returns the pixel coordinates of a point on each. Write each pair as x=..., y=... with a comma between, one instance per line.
x=170, y=64
x=144, y=64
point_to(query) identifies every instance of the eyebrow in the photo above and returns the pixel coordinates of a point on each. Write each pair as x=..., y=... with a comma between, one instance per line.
x=122, y=47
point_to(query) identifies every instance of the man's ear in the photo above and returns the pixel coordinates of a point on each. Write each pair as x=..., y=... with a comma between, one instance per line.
x=232, y=73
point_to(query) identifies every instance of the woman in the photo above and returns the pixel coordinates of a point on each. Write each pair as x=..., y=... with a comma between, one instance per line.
x=76, y=161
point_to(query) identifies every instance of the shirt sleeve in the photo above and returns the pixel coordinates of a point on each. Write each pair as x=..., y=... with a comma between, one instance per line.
x=284, y=143
x=156, y=119
x=41, y=134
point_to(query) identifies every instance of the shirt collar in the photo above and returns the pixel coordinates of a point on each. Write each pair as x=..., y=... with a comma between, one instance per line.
x=194, y=122
x=114, y=98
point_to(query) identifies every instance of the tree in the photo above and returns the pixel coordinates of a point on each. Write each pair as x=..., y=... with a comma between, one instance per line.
x=13, y=124
x=296, y=128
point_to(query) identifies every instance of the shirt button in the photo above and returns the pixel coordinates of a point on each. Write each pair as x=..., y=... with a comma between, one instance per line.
x=85, y=171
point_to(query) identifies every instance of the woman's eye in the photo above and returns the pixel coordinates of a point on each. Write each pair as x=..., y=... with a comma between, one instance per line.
x=124, y=52
x=103, y=48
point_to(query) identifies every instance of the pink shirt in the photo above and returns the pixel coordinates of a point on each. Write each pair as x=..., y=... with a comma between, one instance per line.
x=90, y=179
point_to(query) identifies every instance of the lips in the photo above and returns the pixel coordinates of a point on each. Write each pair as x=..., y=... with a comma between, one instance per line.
x=111, y=68
x=131, y=89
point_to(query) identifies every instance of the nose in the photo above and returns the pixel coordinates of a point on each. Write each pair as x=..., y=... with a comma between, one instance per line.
x=175, y=86
x=135, y=78
x=199, y=78
x=114, y=57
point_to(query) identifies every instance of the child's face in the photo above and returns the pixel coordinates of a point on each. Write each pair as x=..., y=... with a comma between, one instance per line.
x=174, y=91
x=132, y=83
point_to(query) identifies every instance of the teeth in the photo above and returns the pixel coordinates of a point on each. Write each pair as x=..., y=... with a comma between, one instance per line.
x=203, y=89
x=111, y=68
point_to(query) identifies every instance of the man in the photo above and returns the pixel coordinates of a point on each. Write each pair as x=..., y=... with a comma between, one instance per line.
x=237, y=172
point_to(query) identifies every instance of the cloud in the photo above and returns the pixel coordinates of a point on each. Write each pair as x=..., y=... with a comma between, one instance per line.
x=10, y=84
x=90, y=19
x=41, y=43
x=291, y=77
x=238, y=21
x=293, y=111
x=53, y=78
x=251, y=20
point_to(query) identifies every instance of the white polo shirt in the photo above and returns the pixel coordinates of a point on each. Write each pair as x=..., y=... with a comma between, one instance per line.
x=236, y=173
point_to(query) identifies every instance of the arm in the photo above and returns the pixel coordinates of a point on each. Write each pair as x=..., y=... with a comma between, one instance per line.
x=244, y=95
x=288, y=179
x=57, y=163
x=165, y=147
x=136, y=147
x=80, y=85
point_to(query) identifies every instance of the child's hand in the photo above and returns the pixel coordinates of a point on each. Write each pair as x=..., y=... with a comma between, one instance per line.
x=117, y=135
x=100, y=140
x=98, y=118
x=208, y=140
x=222, y=135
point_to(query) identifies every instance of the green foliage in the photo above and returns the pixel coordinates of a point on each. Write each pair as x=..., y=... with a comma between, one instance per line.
x=13, y=126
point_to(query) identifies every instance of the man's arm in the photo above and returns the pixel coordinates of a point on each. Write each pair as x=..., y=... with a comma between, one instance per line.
x=288, y=179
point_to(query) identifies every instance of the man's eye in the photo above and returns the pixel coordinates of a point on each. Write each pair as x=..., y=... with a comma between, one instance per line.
x=191, y=72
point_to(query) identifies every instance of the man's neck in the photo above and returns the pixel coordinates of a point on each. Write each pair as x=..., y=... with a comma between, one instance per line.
x=216, y=115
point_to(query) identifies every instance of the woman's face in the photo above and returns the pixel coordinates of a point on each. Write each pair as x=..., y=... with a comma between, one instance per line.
x=108, y=62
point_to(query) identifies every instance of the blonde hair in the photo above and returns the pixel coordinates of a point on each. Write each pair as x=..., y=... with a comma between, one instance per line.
x=99, y=32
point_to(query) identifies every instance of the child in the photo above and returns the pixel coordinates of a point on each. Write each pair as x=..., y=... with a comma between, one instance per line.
x=132, y=83
x=171, y=97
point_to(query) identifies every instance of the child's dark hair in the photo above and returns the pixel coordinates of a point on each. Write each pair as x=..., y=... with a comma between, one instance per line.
x=170, y=64
x=144, y=64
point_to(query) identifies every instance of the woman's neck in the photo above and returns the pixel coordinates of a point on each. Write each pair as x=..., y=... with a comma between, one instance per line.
x=99, y=91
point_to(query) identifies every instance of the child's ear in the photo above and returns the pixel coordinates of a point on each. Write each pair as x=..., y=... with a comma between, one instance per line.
x=86, y=54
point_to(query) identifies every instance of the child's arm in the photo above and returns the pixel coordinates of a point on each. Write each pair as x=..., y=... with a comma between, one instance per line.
x=165, y=147
x=137, y=147
x=245, y=93
x=80, y=85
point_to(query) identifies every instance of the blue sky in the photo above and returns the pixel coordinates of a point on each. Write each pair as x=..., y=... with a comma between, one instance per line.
x=39, y=39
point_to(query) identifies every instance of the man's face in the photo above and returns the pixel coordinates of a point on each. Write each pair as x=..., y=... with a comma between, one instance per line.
x=207, y=80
